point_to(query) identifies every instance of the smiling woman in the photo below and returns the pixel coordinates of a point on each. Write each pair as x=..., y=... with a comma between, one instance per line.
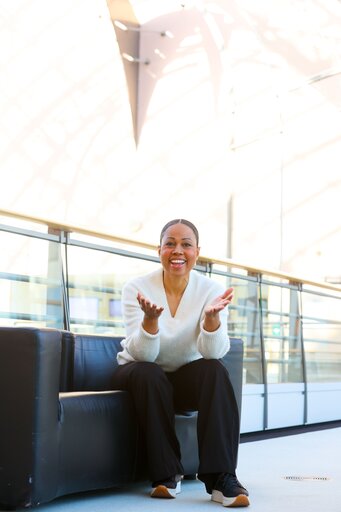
x=176, y=334
x=178, y=253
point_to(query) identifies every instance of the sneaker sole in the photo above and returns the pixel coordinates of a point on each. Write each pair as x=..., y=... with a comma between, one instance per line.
x=237, y=501
x=161, y=491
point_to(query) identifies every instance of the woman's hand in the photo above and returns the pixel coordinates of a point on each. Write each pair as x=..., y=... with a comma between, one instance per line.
x=219, y=303
x=212, y=320
x=152, y=312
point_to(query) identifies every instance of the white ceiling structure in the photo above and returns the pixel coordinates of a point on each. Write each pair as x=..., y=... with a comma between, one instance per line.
x=119, y=116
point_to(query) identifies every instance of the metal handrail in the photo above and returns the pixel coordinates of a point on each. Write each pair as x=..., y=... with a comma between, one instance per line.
x=251, y=269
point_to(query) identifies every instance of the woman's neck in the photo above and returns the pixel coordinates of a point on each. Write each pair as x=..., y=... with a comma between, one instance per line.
x=175, y=287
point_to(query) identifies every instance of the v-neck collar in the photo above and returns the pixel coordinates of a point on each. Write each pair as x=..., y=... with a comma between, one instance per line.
x=182, y=298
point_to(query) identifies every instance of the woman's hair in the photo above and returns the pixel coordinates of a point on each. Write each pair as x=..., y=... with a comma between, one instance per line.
x=180, y=221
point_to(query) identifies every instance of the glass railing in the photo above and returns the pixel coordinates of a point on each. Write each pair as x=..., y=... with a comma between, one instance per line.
x=67, y=277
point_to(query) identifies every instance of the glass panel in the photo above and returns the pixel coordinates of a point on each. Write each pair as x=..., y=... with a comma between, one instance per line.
x=281, y=331
x=95, y=284
x=30, y=282
x=322, y=337
x=244, y=323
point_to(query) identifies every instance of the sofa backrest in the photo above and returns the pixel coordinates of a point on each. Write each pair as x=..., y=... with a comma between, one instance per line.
x=66, y=361
x=95, y=361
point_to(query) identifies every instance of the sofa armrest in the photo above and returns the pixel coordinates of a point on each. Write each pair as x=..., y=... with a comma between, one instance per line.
x=29, y=386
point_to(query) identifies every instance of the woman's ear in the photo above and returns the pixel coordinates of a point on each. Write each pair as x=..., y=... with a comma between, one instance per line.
x=159, y=250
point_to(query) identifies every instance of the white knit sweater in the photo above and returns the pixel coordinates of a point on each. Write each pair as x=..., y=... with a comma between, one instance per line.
x=180, y=339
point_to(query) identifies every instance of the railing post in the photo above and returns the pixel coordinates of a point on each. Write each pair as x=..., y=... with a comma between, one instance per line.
x=304, y=364
x=258, y=298
x=56, y=303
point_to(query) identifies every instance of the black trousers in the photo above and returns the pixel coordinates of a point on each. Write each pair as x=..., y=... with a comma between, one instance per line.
x=203, y=385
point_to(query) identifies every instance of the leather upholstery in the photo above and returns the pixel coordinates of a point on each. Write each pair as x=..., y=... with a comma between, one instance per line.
x=62, y=430
x=97, y=444
x=29, y=387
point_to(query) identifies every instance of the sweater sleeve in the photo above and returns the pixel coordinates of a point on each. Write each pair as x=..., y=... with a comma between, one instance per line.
x=138, y=344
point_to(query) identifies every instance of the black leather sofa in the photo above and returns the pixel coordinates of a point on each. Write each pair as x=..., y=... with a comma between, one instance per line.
x=62, y=430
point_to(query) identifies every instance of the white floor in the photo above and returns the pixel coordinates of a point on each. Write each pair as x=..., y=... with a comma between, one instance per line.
x=263, y=466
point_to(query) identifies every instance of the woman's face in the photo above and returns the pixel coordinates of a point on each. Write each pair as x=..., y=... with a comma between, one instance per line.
x=178, y=250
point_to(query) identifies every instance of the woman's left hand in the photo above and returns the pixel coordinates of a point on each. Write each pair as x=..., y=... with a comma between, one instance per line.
x=219, y=303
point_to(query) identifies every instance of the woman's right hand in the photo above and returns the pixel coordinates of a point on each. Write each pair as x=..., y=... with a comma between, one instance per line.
x=150, y=310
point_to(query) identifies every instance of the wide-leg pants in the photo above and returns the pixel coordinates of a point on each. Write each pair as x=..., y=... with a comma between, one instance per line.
x=203, y=385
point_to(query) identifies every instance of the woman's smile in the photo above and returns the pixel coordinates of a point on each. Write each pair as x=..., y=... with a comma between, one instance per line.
x=177, y=263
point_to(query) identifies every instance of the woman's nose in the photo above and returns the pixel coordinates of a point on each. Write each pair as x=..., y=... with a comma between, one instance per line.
x=178, y=248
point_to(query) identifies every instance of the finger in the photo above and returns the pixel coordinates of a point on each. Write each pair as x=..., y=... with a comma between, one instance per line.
x=141, y=298
x=228, y=293
x=145, y=304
